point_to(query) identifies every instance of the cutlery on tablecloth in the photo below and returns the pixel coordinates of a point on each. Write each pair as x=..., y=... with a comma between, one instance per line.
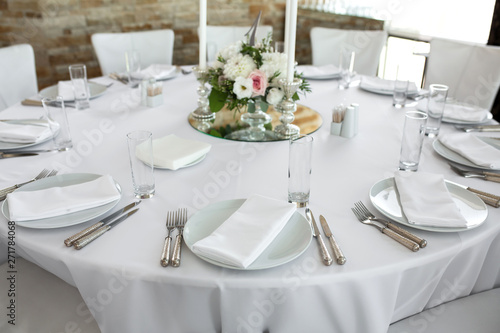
x=181, y=222
x=82, y=242
x=172, y=218
x=491, y=176
x=479, y=128
x=33, y=102
x=385, y=230
x=70, y=240
x=369, y=215
x=117, y=77
x=43, y=174
x=488, y=198
x=325, y=255
x=16, y=154
x=337, y=252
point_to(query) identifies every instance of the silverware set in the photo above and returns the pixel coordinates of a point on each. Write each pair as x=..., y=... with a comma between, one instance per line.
x=325, y=255
x=87, y=235
x=488, y=198
x=175, y=220
x=400, y=235
x=478, y=128
x=43, y=174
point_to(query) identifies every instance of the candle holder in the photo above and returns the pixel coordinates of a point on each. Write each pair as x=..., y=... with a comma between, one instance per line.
x=287, y=107
x=203, y=111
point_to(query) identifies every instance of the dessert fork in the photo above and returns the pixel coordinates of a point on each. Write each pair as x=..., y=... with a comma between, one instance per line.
x=181, y=222
x=385, y=230
x=170, y=224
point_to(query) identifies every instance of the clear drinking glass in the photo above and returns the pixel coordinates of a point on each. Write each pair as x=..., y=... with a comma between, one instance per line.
x=58, y=122
x=346, y=67
x=412, y=140
x=435, y=108
x=78, y=74
x=133, y=65
x=299, y=170
x=400, y=93
x=140, y=149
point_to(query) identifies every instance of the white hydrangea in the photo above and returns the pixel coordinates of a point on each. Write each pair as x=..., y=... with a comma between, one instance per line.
x=274, y=96
x=239, y=66
x=274, y=62
x=243, y=87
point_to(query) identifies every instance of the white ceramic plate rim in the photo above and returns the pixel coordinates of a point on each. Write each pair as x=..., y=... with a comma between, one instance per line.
x=4, y=146
x=457, y=158
x=463, y=198
x=464, y=122
x=68, y=219
x=296, y=234
x=198, y=160
x=384, y=92
x=96, y=90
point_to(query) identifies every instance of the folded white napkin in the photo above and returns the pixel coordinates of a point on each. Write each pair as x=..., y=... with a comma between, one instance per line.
x=56, y=201
x=318, y=71
x=240, y=239
x=65, y=90
x=23, y=133
x=157, y=71
x=459, y=112
x=387, y=86
x=173, y=152
x=472, y=148
x=425, y=200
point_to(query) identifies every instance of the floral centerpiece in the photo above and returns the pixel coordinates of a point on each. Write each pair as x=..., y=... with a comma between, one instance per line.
x=248, y=76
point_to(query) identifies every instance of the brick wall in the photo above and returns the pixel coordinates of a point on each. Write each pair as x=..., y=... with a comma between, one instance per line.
x=60, y=30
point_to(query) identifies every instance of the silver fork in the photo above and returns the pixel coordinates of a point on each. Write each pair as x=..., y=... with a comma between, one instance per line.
x=494, y=177
x=368, y=215
x=181, y=222
x=383, y=229
x=165, y=254
x=7, y=190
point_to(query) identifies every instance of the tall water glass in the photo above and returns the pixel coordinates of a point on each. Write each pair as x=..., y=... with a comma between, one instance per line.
x=140, y=149
x=435, y=108
x=400, y=93
x=346, y=67
x=58, y=122
x=299, y=170
x=133, y=65
x=78, y=74
x=412, y=140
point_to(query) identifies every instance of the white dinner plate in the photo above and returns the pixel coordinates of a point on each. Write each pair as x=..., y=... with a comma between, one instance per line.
x=464, y=122
x=384, y=91
x=4, y=146
x=96, y=90
x=67, y=219
x=457, y=158
x=384, y=197
x=329, y=76
x=198, y=160
x=290, y=243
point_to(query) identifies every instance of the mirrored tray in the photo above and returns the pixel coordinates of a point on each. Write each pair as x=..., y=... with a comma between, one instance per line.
x=226, y=122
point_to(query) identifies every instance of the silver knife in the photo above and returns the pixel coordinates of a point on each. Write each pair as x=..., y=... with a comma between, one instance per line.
x=480, y=128
x=488, y=198
x=325, y=255
x=80, y=243
x=70, y=240
x=337, y=252
x=8, y=155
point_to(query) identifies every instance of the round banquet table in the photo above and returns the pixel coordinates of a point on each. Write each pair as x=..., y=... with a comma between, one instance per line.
x=126, y=290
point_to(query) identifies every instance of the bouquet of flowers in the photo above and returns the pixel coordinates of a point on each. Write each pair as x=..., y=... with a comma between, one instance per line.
x=248, y=75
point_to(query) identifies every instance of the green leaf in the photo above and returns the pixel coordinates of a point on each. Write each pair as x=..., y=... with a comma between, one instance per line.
x=264, y=106
x=251, y=108
x=268, y=126
x=214, y=132
x=217, y=100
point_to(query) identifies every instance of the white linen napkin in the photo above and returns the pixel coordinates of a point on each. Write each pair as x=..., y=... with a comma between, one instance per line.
x=56, y=201
x=472, y=148
x=23, y=133
x=240, y=239
x=425, y=200
x=375, y=83
x=65, y=90
x=173, y=152
x=459, y=112
x=318, y=71
x=157, y=71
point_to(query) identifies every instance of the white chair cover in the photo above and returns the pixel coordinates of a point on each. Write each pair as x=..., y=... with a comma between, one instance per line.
x=44, y=303
x=478, y=313
x=326, y=44
x=471, y=71
x=18, y=79
x=221, y=36
x=155, y=47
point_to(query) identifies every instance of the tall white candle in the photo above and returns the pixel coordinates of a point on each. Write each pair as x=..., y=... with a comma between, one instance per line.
x=203, y=34
x=287, y=22
x=292, y=27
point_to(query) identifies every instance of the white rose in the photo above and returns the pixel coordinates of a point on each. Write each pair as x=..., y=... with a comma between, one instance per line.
x=243, y=87
x=274, y=96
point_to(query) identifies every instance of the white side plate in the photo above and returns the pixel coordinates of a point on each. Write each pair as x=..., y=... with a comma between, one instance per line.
x=96, y=90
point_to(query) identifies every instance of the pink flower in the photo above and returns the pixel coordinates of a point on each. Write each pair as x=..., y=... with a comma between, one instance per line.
x=259, y=80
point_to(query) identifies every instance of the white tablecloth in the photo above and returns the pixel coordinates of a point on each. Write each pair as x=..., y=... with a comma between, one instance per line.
x=120, y=277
